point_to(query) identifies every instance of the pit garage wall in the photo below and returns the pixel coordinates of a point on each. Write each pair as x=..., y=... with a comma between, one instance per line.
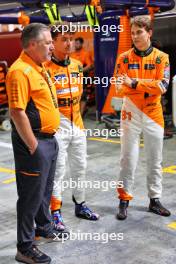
x=10, y=47
x=164, y=32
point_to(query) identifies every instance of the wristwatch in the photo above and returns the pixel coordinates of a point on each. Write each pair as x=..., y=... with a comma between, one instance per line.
x=134, y=84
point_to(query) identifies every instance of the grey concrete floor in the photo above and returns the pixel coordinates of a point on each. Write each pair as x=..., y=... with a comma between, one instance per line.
x=147, y=238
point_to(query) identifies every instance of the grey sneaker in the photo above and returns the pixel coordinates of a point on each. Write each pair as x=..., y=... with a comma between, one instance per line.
x=32, y=256
x=53, y=235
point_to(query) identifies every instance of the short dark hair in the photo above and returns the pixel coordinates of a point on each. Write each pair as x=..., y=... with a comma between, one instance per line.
x=81, y=40
x=32, y=31
x=142, y=22
x=60, y=28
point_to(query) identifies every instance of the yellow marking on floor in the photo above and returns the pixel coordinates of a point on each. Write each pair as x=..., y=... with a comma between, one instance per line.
x=8, y=171
x=172, y=225
x=170, y=169
x=109, y=141
x=105, y=140
x=9, y=181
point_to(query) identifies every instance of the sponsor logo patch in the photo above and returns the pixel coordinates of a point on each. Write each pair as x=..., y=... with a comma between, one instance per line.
x=133, y=66
x=75, y=74
x=59, y=77
x=149, y=66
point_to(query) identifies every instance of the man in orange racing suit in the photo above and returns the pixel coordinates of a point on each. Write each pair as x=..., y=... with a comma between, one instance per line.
x=67, y=76
x=144, y=73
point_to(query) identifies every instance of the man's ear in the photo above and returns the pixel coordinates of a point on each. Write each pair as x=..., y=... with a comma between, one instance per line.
x=150, y=33
x=32, y=43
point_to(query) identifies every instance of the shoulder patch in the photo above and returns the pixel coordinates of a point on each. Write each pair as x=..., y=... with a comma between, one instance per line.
x=125, y=60
x=158, y=60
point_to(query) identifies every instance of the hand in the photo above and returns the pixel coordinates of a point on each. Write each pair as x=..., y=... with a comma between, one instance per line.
x=119, y=82
x=127, y=80
x=33, y=148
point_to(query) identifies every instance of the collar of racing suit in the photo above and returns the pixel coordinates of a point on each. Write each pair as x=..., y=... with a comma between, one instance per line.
x=143, y=53
x=63, y=63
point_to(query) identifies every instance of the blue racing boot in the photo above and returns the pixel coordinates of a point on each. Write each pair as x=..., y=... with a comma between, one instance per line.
x=156, y=207
x=58, y=220
x=122, y=214
x=82, y=211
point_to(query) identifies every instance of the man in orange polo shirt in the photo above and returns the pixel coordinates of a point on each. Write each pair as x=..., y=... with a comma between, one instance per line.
x=81, y=55
x=35, y=119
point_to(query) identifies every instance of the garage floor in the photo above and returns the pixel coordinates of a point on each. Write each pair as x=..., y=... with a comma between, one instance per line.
x=147, y=238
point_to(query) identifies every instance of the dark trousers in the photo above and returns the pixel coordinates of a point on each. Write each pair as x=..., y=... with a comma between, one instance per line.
x=34, y=179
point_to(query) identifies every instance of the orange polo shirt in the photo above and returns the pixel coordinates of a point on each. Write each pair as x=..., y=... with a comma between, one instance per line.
x=28, y=89
x=82, y=56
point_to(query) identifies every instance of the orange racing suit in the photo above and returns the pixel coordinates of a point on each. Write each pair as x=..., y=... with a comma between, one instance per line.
x=67, y=76
x=85, y=58
x=142, y=112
